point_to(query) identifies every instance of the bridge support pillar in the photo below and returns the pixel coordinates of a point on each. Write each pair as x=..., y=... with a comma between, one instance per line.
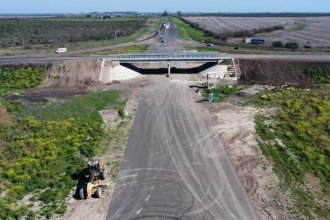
x=168, y=70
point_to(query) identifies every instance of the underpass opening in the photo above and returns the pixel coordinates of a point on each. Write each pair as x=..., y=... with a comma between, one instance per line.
x=175, y=67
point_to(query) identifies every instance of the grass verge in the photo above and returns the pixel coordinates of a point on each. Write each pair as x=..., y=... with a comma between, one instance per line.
x=187, y=32
x=297, y=139
x=204, y=49
x=134, y=49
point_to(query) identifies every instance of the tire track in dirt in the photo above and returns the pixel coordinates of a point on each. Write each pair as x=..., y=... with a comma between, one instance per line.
x=235, y=126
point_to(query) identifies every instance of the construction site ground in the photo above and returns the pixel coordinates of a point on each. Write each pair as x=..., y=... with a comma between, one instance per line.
x=233, y=125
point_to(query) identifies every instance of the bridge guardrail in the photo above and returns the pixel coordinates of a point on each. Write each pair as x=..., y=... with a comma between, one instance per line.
x=174, y=56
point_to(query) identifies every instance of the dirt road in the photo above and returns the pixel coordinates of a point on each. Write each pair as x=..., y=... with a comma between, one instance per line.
x=175, y=167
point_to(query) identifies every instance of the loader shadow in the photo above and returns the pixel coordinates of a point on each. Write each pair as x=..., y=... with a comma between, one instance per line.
x=82, y=181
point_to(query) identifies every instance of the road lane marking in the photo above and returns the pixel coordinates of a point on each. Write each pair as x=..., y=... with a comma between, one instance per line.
x=139, y=211
x=147, y=199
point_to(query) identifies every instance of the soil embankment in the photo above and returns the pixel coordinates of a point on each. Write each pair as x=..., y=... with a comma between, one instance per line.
x=73, y=74
x=278, y=72
x=66, y=79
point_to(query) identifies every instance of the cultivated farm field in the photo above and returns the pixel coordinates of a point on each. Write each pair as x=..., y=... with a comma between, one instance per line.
x=27, y=32
x=316, y=30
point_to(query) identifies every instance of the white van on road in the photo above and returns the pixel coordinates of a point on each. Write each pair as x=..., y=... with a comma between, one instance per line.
x=61, y=50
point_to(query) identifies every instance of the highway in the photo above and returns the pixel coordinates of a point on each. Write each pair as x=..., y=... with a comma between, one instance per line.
x=22, y=59
x=175, y=167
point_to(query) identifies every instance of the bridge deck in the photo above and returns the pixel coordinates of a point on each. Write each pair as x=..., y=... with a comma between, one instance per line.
x=205, y=57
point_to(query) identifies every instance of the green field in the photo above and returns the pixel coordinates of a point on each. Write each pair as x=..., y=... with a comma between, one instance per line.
x=43, y=144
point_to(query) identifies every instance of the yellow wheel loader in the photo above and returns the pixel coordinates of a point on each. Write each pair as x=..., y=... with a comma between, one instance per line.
x=91, y=177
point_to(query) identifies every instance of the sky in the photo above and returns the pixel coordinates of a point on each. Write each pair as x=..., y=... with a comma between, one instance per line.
x=77, y=6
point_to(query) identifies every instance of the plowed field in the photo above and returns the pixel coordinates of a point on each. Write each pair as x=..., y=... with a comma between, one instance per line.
x=316, y=30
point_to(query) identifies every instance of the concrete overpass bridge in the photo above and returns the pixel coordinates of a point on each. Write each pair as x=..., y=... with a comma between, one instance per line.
x=155, y=63
x=202, y=62
x=195, y=57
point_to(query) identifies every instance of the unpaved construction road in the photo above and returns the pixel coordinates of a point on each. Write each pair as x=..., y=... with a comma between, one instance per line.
x=175, y=167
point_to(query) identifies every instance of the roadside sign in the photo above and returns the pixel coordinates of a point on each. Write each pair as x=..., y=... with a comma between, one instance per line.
x=216, y=96
x=211, y=97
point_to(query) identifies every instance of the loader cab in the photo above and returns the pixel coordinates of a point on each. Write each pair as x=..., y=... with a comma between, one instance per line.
x=93, y=166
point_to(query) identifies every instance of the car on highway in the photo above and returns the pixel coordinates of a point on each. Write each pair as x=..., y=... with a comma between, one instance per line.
x=61, y=50
x=209, y=45
x=190, y=51
x=163, y=41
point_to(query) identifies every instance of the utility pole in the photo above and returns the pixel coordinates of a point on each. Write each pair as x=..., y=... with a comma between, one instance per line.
x=207, y=81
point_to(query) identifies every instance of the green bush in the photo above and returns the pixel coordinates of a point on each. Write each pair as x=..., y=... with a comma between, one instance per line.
x=222, y=91
x=318, y=75
x=278, y=44
x=19, y=78
x=10, y=211
x=291, y=45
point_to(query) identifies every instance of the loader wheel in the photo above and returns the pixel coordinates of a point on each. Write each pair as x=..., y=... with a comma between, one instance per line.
x=98, y=192
x=82, y=193
x=103, y=175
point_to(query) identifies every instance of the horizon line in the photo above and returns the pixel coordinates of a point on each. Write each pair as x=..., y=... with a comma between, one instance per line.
x=187, y=12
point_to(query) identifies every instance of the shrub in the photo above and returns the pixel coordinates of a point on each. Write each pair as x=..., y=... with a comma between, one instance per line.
x=17, y=78
x=318, y=75
x=278, y=44
x=222, y=91
x=291, y=45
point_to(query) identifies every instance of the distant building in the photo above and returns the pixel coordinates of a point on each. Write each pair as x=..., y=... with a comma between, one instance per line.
x=257, y=41
x=247, y=40
x=254, y=41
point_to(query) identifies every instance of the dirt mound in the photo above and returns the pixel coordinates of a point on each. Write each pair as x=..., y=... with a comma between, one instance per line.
x=73, y=74
x=5, y=117
x=277, y=72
